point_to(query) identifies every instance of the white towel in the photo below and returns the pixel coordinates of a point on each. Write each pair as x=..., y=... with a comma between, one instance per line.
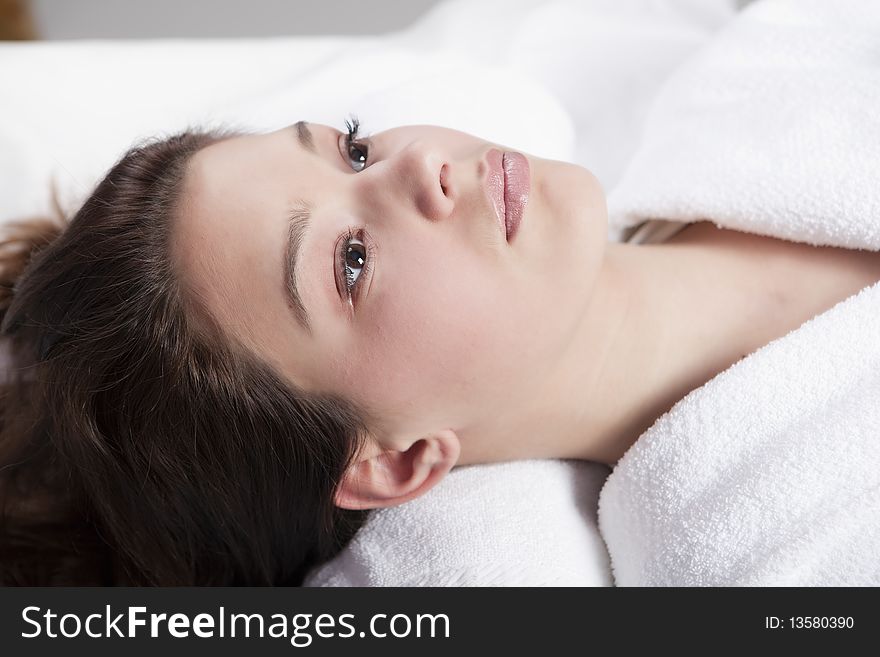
x=772, y=128
x=519, y=523
x=769, y=474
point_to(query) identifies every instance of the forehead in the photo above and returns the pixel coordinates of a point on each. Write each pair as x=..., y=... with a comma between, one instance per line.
x=226, y=236
x=213, y=167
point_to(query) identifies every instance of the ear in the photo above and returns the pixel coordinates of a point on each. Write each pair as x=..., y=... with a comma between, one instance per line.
x=388, y=477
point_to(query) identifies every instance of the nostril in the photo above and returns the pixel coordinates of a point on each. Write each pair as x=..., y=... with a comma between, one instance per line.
x=443, y=183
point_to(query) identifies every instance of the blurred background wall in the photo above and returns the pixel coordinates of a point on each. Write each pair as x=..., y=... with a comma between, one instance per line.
x=134, y=19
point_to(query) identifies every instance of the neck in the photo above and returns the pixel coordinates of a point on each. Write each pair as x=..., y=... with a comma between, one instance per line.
x=663, y=319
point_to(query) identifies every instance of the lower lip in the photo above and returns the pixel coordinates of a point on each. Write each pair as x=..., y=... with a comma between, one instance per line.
x=508, y=187
x=516, y=191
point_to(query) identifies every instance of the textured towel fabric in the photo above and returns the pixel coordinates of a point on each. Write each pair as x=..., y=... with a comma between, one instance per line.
x=520, y=523
x=769, y=474
x=772, y=128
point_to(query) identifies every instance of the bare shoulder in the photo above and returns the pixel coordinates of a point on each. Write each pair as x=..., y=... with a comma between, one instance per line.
x=708, y=232
x=834, y=270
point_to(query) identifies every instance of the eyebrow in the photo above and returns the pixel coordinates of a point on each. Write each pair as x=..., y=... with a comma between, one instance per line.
x=304, y=135
x=298, y=218
x=297, y=224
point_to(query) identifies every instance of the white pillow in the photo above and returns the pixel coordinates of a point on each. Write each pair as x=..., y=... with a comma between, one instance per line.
x=77, y=106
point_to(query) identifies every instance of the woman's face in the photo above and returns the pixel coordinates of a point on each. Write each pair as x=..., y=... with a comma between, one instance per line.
x=449, y=325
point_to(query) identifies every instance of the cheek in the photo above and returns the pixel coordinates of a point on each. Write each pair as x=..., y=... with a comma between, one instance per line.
x=438, y=330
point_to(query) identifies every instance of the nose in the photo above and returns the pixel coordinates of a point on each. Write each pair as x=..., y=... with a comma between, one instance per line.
x=418, y=175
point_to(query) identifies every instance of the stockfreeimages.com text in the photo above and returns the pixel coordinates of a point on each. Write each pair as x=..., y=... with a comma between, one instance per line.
x=204, y=625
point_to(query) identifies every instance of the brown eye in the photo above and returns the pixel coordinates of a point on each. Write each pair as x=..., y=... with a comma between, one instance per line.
x=355, y=149
x=358, y=152
x=355, y=261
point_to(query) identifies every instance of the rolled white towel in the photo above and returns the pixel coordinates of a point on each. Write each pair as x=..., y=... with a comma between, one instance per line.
x=519, y=523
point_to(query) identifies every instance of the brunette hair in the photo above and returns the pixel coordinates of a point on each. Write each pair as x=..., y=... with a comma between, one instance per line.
x=139, y=443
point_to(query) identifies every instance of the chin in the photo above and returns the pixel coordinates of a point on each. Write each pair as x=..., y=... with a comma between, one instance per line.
x=576, y=200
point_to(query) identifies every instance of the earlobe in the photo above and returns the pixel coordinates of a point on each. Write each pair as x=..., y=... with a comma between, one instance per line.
x=390, y=477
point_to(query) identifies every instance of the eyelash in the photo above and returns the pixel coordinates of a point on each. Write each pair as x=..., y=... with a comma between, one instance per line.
x=352, y=138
